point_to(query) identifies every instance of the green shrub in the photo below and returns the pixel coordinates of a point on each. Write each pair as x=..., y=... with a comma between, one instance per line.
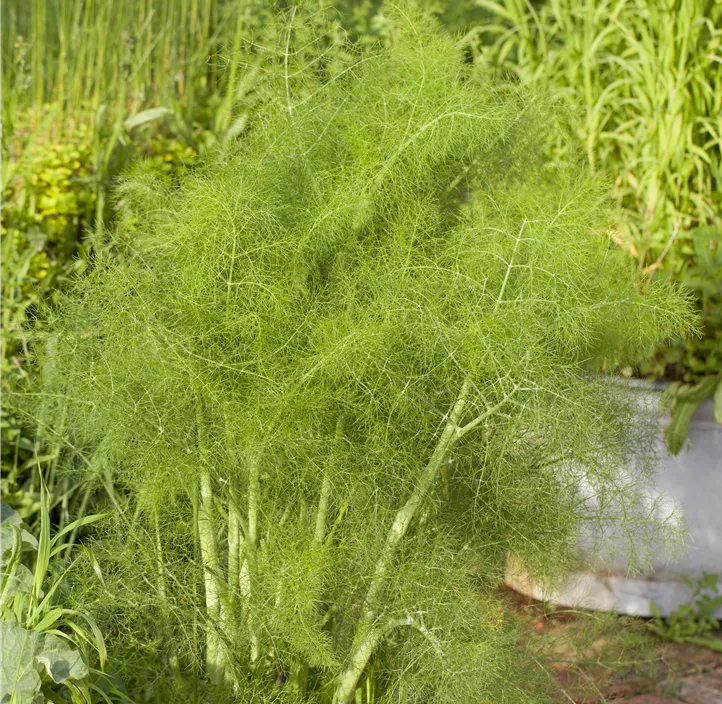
x=343, y=361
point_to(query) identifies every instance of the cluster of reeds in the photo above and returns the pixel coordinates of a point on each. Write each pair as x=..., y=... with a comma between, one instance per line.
x=646, y=76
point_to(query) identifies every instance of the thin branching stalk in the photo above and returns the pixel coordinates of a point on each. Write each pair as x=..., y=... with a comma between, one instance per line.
x=163, y=593
x=406, y=514
x=370, y=643
x=209, y=557
x=209, y=551
x=452, y=432
x=366, y=635
x=254, y=491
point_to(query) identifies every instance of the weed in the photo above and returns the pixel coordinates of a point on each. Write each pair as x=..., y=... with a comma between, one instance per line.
x=694, y=622
x=45, y=645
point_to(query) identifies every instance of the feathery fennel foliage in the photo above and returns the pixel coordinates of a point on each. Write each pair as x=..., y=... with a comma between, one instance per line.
x=346, y=362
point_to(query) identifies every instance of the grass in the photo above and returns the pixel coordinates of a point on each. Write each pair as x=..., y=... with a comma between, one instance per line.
x=121, y=57
x=45, y=643
x=111, y=67
x=644, y=75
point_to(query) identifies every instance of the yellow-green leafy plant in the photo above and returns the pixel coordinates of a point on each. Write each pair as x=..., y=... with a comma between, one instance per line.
x=642, y=78
x=344, y=361
x=48, y=202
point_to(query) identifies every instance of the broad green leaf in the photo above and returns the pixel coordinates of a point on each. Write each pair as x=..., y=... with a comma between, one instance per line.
x=146, y=116
x=60, y=661
x=696, y=393
x=19, y=582
x=8, y=518
x=53, y=697
x=20, y=680
x=12, y=550
x=45, y=603
x=495, y=8
x=98, y=643
x=86, y=520
x=49, y=619
x=676, y=431
x=28, y=654
x=686, y=400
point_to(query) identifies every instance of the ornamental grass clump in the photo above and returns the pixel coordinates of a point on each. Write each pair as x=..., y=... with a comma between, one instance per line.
x=343, y=370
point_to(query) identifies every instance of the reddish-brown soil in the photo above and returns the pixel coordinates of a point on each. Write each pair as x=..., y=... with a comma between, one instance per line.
x=591, y=668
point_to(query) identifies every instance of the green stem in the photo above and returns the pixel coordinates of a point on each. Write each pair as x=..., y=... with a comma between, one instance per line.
x=251, y=543
x=363, y=653
x=367, y=635
x=209, y=553
x=162, y=590
x=325, y=497
x=209, y=558
x=321, y=516
x=405, y=515
x=234, y=542
x=254, y=489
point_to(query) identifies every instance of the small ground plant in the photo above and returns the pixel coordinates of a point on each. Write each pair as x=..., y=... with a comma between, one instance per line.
x=46, y=647
x=343, y=371
x=694, y=622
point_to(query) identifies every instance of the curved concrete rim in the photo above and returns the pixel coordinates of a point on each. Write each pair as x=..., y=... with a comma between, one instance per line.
x=605, y=592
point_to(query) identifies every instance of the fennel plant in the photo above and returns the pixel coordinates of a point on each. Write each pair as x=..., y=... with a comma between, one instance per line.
x=344, y=369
